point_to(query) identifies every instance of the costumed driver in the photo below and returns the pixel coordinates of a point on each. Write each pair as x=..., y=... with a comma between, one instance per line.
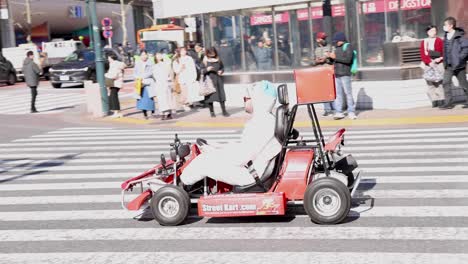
x=228, y=163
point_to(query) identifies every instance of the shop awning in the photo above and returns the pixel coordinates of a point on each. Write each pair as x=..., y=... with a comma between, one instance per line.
x=176, y=8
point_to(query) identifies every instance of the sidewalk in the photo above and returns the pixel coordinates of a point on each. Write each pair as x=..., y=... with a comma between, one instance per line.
x=199, y=117
x=378, y=103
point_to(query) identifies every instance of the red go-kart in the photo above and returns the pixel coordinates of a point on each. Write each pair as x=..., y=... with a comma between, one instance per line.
x=311, y=172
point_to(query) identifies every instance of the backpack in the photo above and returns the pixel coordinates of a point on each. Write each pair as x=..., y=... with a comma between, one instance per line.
x=354, y=65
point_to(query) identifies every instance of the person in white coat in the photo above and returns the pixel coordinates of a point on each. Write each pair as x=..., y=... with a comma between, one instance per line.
x=227, y=163
x=184, y=67
x=163, y=75
x=116, y=75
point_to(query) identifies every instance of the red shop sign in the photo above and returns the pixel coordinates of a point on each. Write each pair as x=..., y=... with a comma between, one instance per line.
x=380, y=6
x=257, y=20
x=414, y=4
x=317, y=12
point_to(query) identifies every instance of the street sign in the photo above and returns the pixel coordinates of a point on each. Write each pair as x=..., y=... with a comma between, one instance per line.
x=106, y=22
x=191, y=24
x=75, y=12
x=3, y=13
x=107, y=34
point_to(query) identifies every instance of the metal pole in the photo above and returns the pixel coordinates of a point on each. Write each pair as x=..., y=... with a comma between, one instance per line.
x=242, y=42
x=90, y=30
x=275, y=39
x=311, y=31
x=99, y=57
x=327, y=17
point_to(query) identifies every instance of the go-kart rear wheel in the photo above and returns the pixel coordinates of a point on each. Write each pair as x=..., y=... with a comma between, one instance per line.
x=170, y=205
x=327, y=201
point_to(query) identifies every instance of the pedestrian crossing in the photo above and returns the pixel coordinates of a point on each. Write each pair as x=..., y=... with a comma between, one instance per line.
x=60, y=203
x=48, y=101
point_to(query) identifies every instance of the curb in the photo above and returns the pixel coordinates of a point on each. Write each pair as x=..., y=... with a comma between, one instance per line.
x=332, y=123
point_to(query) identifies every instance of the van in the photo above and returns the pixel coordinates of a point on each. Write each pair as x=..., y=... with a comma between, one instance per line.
x=16, y=56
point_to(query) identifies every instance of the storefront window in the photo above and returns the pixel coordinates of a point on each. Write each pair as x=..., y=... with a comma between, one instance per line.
x=384, y=21
x=225, y=36
x=293, y=36
x=258, y=38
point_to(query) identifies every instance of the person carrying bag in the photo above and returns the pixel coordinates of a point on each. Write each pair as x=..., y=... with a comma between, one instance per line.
x=431, y=50
x=114, y=82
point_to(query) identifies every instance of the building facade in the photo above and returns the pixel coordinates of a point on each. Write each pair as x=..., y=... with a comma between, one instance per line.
x=385, y=33
x=64, y=19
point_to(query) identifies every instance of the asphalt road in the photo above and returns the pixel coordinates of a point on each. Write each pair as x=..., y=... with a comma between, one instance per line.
x=60, y=200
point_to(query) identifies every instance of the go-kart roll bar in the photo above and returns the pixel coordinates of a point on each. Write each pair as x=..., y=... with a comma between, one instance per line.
x=319, y=136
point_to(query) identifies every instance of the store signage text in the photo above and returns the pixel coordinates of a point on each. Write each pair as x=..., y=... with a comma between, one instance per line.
x=262, y=19
x=317, y=12
x=381, y=6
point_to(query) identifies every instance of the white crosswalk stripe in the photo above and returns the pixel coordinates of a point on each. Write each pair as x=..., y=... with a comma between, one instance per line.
x=60, y=203
x=48, y=101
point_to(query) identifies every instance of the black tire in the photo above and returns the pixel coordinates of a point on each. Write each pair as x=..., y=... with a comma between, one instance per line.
x=56, y=85
x=11, y=79
x=173, y=194
x=338, y=194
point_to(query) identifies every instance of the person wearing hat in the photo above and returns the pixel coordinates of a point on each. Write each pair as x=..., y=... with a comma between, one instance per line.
x=343, y=59
x=322, y=51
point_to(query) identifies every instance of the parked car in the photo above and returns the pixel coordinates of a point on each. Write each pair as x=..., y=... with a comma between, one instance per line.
x=78, y=67
x=7, y=71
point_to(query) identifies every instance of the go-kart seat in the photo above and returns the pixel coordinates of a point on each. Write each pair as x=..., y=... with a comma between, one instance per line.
x=282, y=119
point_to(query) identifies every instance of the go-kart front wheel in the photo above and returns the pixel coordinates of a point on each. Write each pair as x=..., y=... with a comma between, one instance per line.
x=170, y=205
x=327, y=201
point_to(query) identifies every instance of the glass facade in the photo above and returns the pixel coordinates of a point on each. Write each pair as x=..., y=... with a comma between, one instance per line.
x=278, y=38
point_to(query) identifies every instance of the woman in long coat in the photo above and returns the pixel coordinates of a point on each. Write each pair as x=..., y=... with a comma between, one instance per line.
x=184, y=67
x=163, y=75
x=144, y=71
x=214, y=69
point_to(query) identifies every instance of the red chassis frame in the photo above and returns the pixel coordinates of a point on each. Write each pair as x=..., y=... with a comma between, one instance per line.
x=292, y=181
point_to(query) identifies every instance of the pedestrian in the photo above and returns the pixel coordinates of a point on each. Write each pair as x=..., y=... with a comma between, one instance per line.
x=163, y=76
x=431, y=50
x=263, y=56
x=321, y=58
x=343, y=60
x=455, y=56
x=144, y=72
x=226, y=54
x=214, y=69
x=186, y=72
x=114, y=82
x=31, y=73
x=200, y=52
x=190, y=45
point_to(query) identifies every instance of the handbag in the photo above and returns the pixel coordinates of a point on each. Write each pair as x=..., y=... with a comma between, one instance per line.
x=109, y=82
x=206, y=87
x=138, y=86
x=177, y=88
x=434, y=54
x=432, y=74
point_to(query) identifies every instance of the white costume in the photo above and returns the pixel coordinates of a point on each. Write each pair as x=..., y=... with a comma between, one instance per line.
x=258, y=144
x=187, y=76
x=162, y=74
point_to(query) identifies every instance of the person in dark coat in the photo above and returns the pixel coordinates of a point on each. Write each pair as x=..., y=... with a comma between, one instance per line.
x=226, y=54
x=214, y=69
x=455, y=56
x=31, y=73
x=343, y=55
